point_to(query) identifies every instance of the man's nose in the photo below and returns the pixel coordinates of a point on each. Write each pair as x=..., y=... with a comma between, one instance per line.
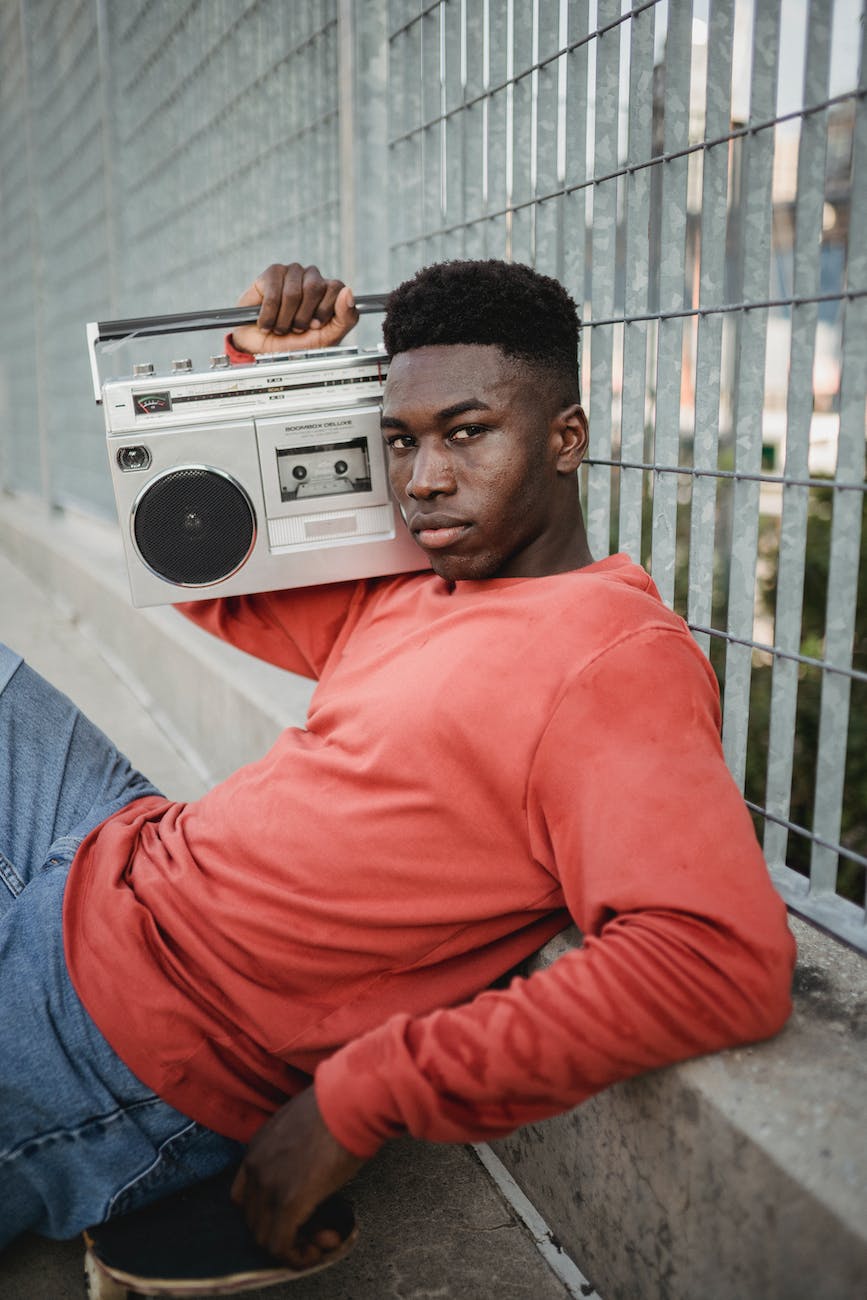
x=432, y=474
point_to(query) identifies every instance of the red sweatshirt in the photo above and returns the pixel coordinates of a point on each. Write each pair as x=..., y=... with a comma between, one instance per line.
x=481, y=760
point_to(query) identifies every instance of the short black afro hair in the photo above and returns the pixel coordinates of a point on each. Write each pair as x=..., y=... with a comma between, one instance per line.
x=525, y=314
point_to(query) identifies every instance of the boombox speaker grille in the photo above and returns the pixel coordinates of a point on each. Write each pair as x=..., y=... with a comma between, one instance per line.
x=194, y=526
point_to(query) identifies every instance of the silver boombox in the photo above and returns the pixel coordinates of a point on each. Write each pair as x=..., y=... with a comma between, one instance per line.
x=237, y=479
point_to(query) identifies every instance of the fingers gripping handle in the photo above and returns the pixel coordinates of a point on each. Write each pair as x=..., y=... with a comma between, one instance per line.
x=184, y=322
x=220, y=317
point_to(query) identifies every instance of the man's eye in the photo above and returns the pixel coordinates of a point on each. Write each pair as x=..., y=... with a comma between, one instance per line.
x=466, y=431
x=399, y=441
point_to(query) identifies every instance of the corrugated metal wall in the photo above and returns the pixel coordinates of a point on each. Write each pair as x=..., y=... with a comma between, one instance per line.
x=693, y=170
x=153, y=158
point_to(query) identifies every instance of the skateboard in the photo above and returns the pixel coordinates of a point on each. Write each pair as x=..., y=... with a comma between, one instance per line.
x=196, y=1243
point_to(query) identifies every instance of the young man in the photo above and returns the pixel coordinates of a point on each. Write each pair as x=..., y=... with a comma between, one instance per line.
x=520, y=735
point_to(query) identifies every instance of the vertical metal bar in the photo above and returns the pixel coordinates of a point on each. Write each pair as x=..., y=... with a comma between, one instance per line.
x=548, y=253
x=523, y=113
x=72, y=145
x=369, y=118
x=416, y=99
x=407, y=158
x=398, y=78
x=19, y=445
x=708, y=367
x=575, y=124
x=672, y=255
x=329, y=149
x=496, y=230
x=604, y=244
x=327, y=231
x=432, y=133
x=120, y=71
x=454, y=213
x=845, y=526
x=812, y=150
x=474, y=129
x=398, y=75
x=750, y=383
x=37, y=257
x=316, y=98
x=107, y=97
x=296, y=109
x=637, y=258
x=346, y=136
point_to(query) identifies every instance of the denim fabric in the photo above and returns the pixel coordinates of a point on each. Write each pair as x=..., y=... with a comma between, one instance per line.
x=80, y=1137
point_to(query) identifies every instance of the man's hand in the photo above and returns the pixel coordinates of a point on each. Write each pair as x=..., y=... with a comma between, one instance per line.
x=300, y=309
x=292, y=1164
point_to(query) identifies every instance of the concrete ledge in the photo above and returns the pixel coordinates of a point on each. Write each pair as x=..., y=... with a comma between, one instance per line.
x=741, y=1176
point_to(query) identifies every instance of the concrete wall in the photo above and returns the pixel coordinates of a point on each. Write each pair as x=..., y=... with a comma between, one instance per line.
x=741, y=1176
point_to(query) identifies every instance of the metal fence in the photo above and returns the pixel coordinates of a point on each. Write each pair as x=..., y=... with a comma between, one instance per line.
x=696, y=175
x=693, y=170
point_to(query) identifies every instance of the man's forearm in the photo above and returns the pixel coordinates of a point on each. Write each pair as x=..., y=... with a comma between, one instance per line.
x=653, y=990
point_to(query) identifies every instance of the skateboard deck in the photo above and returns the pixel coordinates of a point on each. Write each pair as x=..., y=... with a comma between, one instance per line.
x=196, y=1243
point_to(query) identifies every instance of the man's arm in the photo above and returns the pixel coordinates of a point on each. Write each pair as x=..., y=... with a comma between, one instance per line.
x=686, y=945
x=295, y=629
x=299, y=310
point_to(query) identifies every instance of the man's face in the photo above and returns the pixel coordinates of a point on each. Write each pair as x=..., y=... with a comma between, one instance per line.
x=476, y=462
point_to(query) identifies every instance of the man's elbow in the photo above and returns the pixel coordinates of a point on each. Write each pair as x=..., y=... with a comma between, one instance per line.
x=766, y=983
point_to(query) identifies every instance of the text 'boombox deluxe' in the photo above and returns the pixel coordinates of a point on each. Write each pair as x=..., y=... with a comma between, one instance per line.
x=237, y=479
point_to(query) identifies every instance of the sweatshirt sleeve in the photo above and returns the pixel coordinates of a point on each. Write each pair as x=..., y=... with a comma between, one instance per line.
x=296, y=630
x=686, y=947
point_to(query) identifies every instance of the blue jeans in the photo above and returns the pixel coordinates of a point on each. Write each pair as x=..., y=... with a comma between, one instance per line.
x=80, y=1137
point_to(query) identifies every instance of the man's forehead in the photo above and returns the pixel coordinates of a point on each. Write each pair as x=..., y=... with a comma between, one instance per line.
x=449, y=373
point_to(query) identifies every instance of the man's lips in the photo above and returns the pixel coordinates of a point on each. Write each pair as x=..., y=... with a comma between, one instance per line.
x=436, y=532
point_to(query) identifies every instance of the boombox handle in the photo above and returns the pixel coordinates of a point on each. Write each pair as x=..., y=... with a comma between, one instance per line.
x=105, y=331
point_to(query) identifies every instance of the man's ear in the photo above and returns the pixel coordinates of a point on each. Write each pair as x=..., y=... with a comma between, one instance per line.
x=572, y=437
